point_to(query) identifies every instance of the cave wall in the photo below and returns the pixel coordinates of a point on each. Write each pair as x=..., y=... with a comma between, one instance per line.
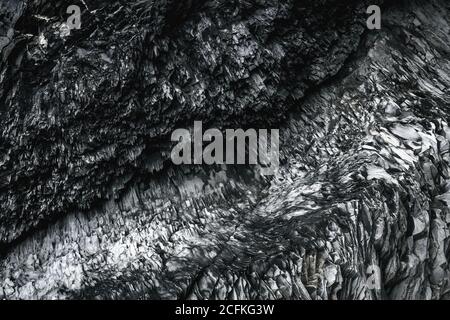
x=91, y=206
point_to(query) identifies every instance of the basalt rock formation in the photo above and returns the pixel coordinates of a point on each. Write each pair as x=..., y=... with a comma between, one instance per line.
x=92, y=207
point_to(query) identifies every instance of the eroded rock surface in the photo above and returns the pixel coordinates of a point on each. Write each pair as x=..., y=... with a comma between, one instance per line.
x=91, y=206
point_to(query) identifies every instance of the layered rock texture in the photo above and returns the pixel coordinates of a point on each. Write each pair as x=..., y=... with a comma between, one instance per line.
x=92, y=207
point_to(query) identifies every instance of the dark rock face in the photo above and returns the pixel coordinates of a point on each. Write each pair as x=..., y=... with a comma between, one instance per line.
x=91, y=206
x=93, y=107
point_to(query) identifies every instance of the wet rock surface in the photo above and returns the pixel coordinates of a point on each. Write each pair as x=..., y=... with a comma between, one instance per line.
x=91, y=206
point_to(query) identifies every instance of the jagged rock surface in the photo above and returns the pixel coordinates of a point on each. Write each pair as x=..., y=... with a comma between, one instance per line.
x=91, y=208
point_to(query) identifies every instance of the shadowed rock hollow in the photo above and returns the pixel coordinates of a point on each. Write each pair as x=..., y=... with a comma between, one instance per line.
x=91, y=206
